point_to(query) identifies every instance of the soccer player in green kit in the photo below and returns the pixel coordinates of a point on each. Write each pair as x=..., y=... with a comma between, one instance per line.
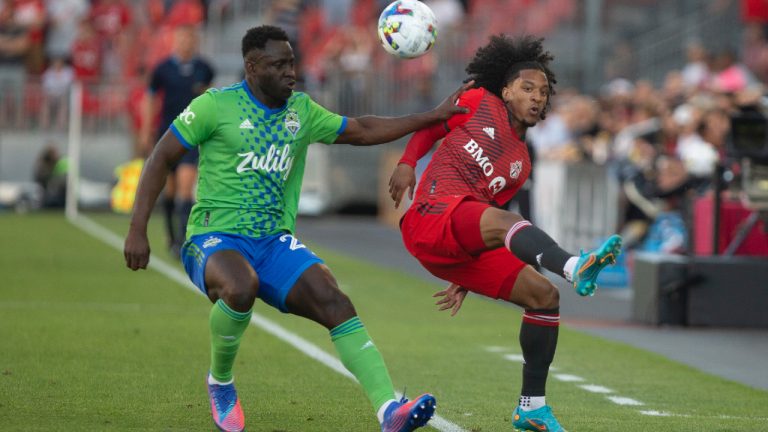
x=253, y=138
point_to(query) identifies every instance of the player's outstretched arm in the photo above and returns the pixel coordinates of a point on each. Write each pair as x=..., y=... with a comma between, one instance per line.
x=372, y=130
x=166, y=153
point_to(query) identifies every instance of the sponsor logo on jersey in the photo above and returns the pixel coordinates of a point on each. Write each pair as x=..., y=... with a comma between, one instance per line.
x=489, y=131
x=211, y=242
x=275, y=160
x=498, y=183
x=187, y=116
x=477, y=152
x=292, y=122
x=246, y=124
x=515, y=169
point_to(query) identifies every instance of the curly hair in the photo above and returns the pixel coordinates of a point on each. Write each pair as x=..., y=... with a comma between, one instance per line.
x=257, y=37
x=502, y=59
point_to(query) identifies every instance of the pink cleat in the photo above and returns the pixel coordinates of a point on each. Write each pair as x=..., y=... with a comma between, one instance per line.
x=404, y=416
x=225, y=408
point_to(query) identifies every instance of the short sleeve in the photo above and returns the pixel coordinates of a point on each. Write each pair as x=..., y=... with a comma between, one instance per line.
x=326, y=126
x=197, y=122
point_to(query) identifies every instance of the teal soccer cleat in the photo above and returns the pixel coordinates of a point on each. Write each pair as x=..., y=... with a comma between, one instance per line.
x=540, y=420
x=404, y=416
x=590, y=264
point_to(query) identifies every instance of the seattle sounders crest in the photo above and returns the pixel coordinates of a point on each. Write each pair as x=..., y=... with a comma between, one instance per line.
x=292, y=122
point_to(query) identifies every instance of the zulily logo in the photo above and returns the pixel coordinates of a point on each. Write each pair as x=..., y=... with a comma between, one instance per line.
x=273, y=161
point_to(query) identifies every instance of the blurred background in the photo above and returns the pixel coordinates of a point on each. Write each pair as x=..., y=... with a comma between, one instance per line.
x=657, y=129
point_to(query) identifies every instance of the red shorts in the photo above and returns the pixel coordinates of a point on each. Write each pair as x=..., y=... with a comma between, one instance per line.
x=429, y=230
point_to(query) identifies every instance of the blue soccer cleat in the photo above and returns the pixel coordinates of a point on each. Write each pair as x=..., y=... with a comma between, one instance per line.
x=540, y=420
x=590, y=264
x=225, y=408
x=404, y=416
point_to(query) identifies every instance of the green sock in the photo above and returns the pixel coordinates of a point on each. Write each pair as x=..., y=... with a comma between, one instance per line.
x=227, y=327
x=362, y=358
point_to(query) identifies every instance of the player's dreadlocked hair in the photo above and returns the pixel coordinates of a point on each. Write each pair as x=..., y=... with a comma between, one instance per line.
x=257, y=37
x=501, y=61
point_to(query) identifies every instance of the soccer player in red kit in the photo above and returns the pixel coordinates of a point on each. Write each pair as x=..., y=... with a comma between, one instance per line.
x=457, y=229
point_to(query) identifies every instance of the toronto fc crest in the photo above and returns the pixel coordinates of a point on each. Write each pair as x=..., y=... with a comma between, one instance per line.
x=515, y=169
x=292, y=122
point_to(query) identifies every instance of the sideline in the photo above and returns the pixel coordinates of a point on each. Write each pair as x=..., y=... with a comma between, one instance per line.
x=94, y=229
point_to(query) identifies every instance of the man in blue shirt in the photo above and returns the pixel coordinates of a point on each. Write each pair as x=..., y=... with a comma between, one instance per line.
x=173, y=84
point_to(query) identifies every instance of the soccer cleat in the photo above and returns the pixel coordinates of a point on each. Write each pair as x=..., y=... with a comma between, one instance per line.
x=590, y=264
x=225, y=408
x=404, y=416
x=541, y=420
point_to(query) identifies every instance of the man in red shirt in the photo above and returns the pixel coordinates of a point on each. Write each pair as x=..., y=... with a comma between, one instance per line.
x=456, y=228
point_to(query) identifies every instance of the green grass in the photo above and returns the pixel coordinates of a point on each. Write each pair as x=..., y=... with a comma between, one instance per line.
x=89, y=345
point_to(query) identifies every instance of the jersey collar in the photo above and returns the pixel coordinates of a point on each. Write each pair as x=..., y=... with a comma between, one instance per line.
x=267, y=110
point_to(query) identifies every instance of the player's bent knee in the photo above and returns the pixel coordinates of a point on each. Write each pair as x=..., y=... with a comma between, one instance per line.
x=240, y=296
x=545, y=295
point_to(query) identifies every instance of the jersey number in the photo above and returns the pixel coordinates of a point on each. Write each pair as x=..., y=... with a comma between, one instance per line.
x=294, y=242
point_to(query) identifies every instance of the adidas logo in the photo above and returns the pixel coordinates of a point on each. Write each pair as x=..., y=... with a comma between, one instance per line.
x=488, y=130
x=368, y=344
x=246, y=124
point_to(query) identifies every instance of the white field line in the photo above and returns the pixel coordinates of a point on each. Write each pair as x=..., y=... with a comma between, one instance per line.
x=595, y=388
x=619, y=400
x=568, y=378
x=301, y=344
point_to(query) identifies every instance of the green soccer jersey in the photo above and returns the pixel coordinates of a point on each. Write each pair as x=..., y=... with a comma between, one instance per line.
x=251, y=158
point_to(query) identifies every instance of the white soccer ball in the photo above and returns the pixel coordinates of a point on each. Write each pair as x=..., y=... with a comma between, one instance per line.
x=407, y=28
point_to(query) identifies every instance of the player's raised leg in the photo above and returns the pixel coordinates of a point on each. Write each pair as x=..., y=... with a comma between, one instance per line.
x=534, y=246
x=316, y=296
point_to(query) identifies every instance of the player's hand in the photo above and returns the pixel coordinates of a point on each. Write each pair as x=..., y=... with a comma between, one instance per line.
x=448, y=107
x=403, y=178
x=136, y=250
x=452, y=298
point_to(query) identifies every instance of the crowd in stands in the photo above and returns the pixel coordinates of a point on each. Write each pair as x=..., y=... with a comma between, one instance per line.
x=55, y=42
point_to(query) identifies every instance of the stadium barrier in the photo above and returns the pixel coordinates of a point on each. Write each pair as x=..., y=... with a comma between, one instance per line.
x=576, y=203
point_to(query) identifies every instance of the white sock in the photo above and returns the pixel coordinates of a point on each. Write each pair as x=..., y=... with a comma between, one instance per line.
x=212, y=380
x=570, y=267
x=530, y=403
x=382, y=409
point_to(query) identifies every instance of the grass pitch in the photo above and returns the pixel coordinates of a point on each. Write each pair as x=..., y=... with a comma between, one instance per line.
x=89, y=345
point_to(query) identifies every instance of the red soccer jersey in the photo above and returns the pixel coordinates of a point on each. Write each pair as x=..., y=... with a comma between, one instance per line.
x=481, y=156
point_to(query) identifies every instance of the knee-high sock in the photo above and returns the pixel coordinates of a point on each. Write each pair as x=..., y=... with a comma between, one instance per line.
x=533, y=246
x=362, y=358
x=227, y=328
x=183, y=209
x=538, y=340
x=169, y=211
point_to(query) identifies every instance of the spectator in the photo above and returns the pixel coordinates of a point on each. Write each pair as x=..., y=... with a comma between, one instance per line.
x=31, y=15
x=64, y=17
x=698, y=155
x=57, y=80
x=86, y=53
x=696, y=70
x=14, y=45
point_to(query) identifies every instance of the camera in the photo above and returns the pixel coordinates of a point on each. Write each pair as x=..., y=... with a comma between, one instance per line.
x=749, y=144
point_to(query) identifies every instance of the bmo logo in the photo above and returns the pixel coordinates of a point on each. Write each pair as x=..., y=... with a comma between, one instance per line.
x=497, y=184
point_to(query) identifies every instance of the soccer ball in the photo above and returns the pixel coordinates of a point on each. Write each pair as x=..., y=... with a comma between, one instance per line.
x=407, y=28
